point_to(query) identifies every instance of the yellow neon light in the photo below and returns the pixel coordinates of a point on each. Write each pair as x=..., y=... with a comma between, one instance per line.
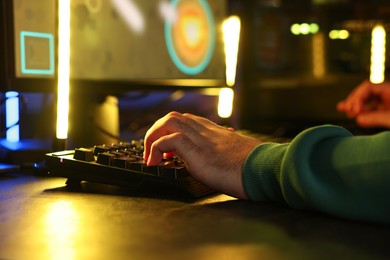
x=378, y=55
x=295, y=29
x=304, y=28
x=225, y=102
x=343, y=34
x=339, y=34
x=63, y=68
x=231, y=33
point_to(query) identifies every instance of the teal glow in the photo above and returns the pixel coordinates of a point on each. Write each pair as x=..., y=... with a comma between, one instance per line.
x=50, y=38
x=12, y=116
x=189, y=70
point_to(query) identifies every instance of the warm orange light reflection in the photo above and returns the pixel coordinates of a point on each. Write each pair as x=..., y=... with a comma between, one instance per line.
x=318, y=55
x=61, y=226
x=191, y=29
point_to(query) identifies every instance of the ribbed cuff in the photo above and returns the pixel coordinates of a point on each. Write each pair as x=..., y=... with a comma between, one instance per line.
x=261, y=172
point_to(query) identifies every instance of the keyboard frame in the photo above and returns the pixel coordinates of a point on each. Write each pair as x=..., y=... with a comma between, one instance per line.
x=62, y=164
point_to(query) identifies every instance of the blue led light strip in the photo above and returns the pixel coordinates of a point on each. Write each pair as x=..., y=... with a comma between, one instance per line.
x=50, y=38
x=12, y=116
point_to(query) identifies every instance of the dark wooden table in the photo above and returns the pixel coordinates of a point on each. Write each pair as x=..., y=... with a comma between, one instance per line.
x=41, y=219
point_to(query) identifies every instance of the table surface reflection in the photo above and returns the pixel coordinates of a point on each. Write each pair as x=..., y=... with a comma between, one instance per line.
x=41, y=219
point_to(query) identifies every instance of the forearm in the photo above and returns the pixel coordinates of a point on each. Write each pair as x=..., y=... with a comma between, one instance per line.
x=326, y=169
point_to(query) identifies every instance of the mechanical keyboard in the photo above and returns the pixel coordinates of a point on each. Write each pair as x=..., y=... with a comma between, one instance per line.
x=122, y=164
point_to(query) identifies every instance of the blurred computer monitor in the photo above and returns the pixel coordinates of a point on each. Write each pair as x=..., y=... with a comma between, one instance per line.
x=124, y=45
x=28, y=46
x=117, y=46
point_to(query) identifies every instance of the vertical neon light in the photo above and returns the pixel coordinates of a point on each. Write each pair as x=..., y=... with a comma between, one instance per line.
x=12, y=116
x=63, y=68
x=225, y=102
x=378, y=55
x=318, y=55
x=231, y=34
x=231, y=28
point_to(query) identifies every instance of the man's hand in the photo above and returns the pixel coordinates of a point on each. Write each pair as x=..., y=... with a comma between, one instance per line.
x=212, y=154
x=369, y=104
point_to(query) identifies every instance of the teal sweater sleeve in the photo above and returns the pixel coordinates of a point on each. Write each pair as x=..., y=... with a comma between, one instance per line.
x=324, y=168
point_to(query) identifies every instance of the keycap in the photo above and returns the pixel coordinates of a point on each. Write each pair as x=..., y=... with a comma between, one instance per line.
x=84, y=154
x=105, y=158
x=100, y=149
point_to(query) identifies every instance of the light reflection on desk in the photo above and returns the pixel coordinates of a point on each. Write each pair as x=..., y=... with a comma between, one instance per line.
x=40, y=219
x=61, y=227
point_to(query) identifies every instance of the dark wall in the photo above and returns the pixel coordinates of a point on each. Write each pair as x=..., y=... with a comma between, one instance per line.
x=277, y=89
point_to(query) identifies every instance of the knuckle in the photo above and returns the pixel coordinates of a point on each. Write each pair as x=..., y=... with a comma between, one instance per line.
x=188, y=115
x=175, y=120
x=173, y=114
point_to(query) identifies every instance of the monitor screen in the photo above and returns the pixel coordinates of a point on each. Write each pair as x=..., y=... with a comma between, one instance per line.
x=116, y=45
x=127, y=44
x=28, y=45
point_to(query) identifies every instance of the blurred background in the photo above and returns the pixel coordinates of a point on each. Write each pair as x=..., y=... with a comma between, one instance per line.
x=296, y=59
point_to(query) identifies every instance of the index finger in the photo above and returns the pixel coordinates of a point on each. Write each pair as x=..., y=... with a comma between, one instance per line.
x=173, y=122
x=354, y=102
